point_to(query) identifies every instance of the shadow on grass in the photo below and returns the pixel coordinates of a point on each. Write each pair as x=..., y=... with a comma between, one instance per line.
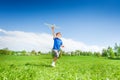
x=114, y=58
x=43, y=65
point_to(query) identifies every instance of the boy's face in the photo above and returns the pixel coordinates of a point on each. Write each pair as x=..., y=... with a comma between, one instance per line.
x=59, y=35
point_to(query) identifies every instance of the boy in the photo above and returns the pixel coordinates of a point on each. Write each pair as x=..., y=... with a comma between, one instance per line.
x=57, y=45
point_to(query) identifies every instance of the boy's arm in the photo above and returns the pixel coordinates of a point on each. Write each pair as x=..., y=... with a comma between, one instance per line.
x=53, y=32
x=62, y=46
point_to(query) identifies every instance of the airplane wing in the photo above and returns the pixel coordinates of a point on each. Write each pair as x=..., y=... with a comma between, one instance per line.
x=51, y=25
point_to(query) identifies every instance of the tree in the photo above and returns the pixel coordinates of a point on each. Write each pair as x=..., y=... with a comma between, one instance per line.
x=117, y=50
x=77, y=52
x=39, y=52
x=97, y=54
x=89, y=53
x=72, y=53
x=104, y=53
x=5, y=51
x=33, y=52
x=23, y=52
x=110, y=52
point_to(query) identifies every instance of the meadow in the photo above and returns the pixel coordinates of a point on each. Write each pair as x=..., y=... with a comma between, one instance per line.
x=67, y=68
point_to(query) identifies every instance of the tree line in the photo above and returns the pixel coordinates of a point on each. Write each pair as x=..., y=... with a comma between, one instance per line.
x=110, y=52
x=6, y=51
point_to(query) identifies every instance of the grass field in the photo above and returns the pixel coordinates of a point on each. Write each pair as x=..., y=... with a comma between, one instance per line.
x=67, y=68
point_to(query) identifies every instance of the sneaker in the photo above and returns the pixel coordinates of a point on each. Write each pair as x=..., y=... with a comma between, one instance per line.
x=53, y=64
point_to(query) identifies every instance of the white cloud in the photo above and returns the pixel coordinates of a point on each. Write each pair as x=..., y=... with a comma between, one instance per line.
x=72, y=45
x=19, y=40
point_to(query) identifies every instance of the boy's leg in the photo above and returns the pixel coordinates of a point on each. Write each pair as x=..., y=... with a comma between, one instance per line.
x=56, y=55
x=54, y=61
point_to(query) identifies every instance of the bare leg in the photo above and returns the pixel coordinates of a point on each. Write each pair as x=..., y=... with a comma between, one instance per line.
x=56, y=54
x=55, y=59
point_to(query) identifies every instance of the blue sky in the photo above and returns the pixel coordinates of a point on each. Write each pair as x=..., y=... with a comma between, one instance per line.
x=93, y=22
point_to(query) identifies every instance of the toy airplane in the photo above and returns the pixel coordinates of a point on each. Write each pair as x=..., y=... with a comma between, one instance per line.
x=51, y=25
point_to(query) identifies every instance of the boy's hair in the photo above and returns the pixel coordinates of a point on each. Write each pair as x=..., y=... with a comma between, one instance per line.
x=58, y=33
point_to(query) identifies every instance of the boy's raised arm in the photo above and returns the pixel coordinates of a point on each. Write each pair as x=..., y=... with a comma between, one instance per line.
x=53, y=32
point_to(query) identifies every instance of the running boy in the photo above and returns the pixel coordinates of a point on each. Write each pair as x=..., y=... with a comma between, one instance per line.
x=57, y=45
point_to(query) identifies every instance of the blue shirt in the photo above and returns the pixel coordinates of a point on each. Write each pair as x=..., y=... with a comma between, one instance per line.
x=57, y=43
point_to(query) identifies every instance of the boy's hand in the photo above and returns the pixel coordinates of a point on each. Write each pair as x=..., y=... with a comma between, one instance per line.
x=62, y=46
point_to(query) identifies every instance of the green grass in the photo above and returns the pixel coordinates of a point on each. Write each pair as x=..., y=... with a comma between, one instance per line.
x=67, y=68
